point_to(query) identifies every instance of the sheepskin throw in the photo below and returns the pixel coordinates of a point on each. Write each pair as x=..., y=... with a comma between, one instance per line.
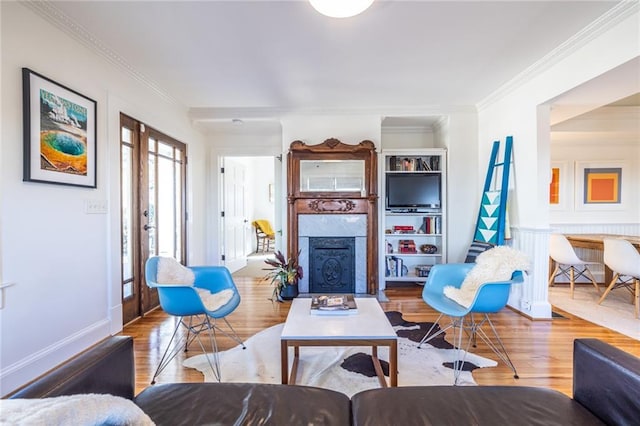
x=72, y=410
x=170, y=271
x=214, y=301
x=496, y=264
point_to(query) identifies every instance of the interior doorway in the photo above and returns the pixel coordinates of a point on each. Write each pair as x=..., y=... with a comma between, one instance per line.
x=251, y=189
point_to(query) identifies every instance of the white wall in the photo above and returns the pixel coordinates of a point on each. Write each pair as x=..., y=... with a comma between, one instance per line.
x=521, y=112
x=459, y=134
x=261, y=177
x=66, y=262
x=412, y=138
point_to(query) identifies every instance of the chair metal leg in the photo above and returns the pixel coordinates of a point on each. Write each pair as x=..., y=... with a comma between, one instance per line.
x=428, y=336
x=171, y=350
x=233, y=335
x=193, y=329
x=457, y=338
x=473, y=330
x=501, y=352
x=215, y=366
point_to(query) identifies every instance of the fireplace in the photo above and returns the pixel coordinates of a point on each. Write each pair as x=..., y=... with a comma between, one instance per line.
x=331, y=193
x=332, y=264
x=317, y=233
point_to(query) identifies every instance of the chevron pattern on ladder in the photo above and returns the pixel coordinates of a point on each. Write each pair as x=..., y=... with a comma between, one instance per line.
x=487, y=227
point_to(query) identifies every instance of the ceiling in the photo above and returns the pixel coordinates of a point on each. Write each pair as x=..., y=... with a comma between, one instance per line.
x=254, y=59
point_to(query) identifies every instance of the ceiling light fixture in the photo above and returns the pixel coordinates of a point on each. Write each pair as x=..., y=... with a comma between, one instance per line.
x=340, y=8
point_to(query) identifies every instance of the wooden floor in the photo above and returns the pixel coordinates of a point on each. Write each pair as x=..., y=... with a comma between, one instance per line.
x=540, y=350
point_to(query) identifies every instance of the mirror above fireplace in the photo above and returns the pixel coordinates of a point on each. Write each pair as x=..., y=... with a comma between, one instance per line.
x=332, y=176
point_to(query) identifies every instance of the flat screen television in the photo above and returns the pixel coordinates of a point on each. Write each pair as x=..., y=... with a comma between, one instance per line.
x=409, y=191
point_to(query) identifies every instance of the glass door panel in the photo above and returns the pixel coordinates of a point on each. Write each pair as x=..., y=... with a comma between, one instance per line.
x=153, y=208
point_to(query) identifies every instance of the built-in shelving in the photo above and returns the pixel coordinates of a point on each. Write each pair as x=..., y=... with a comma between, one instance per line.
x=413, y=222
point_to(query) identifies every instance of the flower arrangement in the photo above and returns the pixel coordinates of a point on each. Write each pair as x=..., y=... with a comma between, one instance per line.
x=283, y=272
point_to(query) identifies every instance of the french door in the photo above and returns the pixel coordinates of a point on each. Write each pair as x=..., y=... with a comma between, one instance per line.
x=153, y=217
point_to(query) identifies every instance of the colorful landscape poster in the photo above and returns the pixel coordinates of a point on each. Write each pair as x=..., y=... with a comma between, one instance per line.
x=63, y=135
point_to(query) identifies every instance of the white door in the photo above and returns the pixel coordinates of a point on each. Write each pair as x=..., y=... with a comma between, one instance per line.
x=235, y=221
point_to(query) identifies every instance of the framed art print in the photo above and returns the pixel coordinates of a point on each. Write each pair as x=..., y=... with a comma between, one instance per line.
x=599, y=185
x=560, y=186
x=59, y=133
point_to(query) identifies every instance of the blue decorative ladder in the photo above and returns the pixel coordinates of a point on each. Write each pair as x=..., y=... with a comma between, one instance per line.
x=491, y=224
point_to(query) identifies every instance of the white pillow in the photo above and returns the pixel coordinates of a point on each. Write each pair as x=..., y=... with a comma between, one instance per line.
x=170, y=271
x=72, y=410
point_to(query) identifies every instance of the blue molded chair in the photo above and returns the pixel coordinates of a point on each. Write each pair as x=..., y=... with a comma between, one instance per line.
x=490, y=298
x=184, y=302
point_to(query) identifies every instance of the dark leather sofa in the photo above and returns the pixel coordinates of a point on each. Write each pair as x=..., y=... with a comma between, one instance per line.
x=606, y=390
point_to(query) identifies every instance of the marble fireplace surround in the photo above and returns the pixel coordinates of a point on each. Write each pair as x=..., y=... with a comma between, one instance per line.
x=331, y=225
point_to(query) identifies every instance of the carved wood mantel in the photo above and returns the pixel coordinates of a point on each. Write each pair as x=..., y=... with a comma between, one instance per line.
x=338, y=201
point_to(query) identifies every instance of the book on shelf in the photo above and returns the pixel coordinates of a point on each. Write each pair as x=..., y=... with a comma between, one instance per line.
x=334, y=304
x=407, y=246
x=431, y=225
x=395, y=267
x=403, y=229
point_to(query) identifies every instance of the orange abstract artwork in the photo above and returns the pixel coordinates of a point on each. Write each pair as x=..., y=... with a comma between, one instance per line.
x=602, y=186
x=554, y=186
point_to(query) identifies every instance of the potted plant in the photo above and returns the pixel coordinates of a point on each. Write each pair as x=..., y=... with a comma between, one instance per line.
x=284, y=275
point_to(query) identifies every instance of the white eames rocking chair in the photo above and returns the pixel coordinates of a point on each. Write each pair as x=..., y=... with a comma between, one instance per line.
x=568, y=263
x=624, y=260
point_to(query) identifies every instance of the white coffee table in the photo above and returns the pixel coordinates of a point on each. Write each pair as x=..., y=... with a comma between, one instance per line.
x=369, y=327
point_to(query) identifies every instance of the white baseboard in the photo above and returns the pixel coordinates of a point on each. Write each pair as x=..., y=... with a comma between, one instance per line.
x=19, y=373
x=534, y=310
x=115, y=319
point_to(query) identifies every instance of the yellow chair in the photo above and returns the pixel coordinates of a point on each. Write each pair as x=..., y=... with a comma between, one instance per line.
x=264, y=235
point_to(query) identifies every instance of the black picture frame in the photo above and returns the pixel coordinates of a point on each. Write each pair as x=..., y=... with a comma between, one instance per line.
x=60, y=133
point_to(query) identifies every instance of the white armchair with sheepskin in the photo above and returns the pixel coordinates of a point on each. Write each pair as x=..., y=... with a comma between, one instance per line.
x=459, y=290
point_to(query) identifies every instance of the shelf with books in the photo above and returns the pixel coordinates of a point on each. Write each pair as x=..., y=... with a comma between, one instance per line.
x=414, y=219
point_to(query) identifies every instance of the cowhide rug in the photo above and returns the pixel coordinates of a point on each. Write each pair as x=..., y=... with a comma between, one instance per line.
x=345, y=369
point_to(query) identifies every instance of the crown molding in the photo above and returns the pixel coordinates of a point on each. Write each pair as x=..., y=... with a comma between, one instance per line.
x=615, y=15
x=274, y=113
x=57, y=18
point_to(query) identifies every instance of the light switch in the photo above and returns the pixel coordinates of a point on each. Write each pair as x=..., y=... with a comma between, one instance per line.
x=95, y=206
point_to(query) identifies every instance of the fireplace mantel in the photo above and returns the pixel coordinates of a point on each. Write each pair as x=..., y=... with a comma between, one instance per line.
x=336, y=194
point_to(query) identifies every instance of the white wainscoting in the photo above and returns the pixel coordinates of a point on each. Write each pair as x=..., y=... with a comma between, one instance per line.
x=532, y=297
